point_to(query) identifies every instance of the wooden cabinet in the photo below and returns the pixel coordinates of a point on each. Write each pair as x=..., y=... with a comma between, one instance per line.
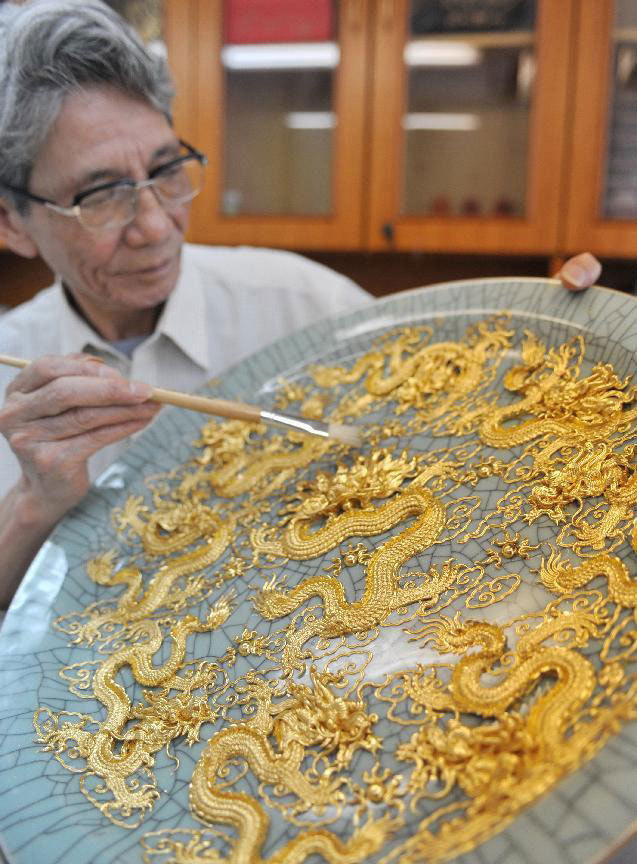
x=601, y=165
x=248, y=117
x=380, y=183
x=493, y=137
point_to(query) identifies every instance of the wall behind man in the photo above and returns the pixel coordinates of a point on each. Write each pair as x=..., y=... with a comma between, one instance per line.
x=21, y=278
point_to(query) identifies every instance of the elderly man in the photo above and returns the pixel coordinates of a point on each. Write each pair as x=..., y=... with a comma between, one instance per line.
x=96, y=181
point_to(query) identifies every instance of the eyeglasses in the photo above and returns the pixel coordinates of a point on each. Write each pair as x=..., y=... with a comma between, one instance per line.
x=113, y=205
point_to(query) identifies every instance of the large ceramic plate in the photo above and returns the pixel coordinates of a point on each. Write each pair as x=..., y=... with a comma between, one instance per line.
x=57, y=806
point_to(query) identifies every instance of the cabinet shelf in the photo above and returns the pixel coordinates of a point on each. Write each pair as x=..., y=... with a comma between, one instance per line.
x=625, y=34
x=500, y=39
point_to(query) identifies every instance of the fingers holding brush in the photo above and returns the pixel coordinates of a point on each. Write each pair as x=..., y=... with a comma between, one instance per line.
x=59, y=411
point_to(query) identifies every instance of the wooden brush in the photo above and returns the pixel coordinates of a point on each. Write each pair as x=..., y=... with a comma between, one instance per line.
x=238, y=411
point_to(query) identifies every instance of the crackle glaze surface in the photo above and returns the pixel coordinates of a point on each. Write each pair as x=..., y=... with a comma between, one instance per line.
x=248, y=647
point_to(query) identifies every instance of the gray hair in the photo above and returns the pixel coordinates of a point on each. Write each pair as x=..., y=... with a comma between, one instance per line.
x=48, y=49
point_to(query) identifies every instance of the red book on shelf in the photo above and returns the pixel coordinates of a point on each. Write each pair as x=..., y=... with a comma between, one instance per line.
x=252, y=21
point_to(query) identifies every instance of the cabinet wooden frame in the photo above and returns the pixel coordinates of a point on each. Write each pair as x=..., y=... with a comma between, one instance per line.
x=342, y=229
x=370, y=86
x=585, y=227
x=538, y=231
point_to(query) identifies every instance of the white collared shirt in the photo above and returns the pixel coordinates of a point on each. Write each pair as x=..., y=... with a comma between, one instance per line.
x=228, y=303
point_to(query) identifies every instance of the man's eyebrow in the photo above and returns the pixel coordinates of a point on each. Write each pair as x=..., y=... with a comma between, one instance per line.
x=93, y=177
x=106, y=174
x=171, y=150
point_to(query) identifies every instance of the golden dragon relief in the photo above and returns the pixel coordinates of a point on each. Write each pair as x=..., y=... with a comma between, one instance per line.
x=381, y=692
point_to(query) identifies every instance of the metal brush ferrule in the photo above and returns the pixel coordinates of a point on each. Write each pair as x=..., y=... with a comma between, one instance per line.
x=310, y=427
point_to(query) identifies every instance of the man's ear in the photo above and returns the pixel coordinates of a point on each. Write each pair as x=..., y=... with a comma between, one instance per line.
x=13, y=231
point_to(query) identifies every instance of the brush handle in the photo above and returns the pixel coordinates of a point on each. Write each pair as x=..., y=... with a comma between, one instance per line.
x=18, y=362
x=218, y=407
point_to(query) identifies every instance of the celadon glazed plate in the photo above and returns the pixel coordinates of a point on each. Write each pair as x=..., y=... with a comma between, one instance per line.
x=249, y=647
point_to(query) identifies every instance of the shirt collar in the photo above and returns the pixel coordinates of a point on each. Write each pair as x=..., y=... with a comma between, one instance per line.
x=76, y=334
x=183, y=321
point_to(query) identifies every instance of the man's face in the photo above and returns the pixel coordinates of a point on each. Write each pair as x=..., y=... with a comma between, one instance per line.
x=102, y=135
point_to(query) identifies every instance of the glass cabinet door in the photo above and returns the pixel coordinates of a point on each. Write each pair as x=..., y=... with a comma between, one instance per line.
x=280, y=114
x=470, y=89
x=619, y=200
x=602, y=212
x=278, y=82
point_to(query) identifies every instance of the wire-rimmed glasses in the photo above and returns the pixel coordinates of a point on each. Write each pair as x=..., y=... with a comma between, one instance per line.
x=114, y=204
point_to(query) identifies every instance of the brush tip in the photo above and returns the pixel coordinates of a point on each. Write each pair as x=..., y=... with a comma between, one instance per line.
x=350, y=435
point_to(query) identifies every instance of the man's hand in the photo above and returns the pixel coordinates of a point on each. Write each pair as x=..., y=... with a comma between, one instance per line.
x=580, y=272
x=58, y=412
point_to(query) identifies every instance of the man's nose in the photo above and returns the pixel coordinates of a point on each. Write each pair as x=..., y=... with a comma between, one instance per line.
x=151, y=223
